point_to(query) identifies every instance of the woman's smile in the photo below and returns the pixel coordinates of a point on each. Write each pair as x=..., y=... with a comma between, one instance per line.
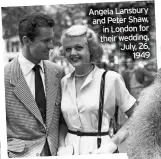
x=75, y=58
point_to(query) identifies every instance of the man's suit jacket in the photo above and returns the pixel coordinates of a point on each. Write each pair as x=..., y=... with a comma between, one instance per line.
x=140, y=74
x=26, y=131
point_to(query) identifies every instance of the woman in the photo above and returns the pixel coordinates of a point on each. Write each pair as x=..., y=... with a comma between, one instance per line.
x=80, y=96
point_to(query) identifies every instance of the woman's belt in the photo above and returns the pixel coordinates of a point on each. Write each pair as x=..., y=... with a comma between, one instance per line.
x=79, y=133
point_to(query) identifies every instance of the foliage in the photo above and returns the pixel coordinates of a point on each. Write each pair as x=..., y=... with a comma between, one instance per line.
x=67, y=15
x=11, y=17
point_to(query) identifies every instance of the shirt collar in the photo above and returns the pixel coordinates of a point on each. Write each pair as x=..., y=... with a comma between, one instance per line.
x=27, y=65
x=72, y=75
x=89, y=78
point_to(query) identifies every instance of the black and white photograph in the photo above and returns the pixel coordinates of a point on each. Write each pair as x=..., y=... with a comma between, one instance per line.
x=82, y=79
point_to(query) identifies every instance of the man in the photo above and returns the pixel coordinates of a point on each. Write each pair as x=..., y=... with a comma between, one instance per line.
x=32, y=91
x=144, y=140
x=136, y=78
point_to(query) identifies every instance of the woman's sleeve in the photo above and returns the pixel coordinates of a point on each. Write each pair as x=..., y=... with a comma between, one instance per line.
x=123, y=98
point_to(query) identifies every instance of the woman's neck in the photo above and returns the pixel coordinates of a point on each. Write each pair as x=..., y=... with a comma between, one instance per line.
x=83, y=71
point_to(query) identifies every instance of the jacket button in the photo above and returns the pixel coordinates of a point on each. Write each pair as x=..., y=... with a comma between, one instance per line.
x=37, y=154
x=46, y=133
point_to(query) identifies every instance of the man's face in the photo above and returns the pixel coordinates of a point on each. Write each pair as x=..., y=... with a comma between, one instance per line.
x=40, y=47
x=129, y=63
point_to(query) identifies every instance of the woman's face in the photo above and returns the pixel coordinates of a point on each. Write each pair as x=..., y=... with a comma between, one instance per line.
x=76, y=51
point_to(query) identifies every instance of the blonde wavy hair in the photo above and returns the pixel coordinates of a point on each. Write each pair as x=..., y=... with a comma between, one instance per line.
x=94, y=46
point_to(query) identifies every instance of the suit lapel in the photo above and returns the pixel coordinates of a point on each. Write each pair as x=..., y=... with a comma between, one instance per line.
x=51, y=84
x=22, y=90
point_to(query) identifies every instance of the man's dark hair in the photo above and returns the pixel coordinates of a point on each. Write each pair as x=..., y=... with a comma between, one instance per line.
x=29, y=26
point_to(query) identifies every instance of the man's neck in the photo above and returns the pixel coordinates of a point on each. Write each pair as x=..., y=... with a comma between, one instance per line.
x=27, y=55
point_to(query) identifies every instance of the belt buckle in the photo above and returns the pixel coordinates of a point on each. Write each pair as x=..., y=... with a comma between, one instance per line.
x=98, y=136
x=78, y=133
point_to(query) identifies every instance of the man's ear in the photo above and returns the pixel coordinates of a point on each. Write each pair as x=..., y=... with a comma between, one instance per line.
x=25, y=40
x=62, y=52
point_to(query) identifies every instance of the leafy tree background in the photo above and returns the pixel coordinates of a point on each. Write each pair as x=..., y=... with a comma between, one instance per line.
x=67, y=15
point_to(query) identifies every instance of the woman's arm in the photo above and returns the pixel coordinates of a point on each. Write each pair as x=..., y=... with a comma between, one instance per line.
x=122, y=133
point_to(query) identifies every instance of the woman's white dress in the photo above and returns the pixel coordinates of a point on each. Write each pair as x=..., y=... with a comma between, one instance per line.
x=81, y=112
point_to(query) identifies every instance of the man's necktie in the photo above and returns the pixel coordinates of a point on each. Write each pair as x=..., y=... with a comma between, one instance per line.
x=39, y=92
x=41, y=102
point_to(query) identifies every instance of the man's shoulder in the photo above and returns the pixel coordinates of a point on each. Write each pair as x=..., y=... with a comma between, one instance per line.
x=55, y=66
x=8, y=67
x=140, y=70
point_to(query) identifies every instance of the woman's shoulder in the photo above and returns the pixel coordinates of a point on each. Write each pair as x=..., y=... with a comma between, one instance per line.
x=112, y=74
x=109, y=73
